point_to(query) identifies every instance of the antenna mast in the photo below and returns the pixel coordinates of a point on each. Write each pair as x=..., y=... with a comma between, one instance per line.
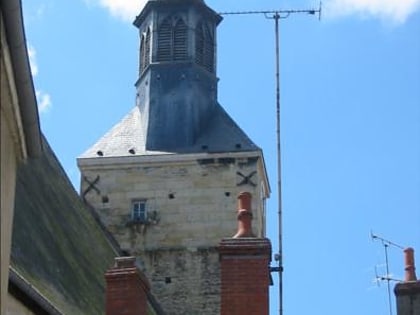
x=386, y=243
x=276, y=15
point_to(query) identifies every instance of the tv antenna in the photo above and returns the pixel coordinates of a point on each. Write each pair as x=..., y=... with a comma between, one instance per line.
x=276, y=15
x=387, y=277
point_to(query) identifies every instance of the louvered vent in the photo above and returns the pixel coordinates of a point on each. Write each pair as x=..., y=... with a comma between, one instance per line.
x=142, y=52
x=208, y=51
x=204, y=47
x=145, y=51
x=199, y=44
x=164, y=41
x=180, y=41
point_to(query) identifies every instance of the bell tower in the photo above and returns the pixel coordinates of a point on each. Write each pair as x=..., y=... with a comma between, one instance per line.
x=164, y=180
x=177, y=84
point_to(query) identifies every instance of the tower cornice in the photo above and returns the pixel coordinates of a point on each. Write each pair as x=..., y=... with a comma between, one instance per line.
x=200, y=4
x=163, y=158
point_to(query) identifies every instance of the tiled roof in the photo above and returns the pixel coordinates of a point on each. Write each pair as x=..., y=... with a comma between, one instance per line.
x=221, y=135
x=58, y=247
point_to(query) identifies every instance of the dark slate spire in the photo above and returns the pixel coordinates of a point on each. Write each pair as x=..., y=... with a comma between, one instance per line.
x=176, y=108
x=177, y=85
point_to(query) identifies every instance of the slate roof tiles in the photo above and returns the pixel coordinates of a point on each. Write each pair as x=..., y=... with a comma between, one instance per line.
x=221, y=135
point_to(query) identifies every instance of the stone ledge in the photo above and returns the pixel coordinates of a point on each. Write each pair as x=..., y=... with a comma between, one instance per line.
x=407, y=288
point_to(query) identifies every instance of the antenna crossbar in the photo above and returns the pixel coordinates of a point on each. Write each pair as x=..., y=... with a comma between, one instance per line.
x=384, y=241
x=313, y=11
x=277, y=12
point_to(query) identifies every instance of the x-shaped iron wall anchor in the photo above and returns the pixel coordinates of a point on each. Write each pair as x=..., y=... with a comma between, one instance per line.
x=246, y=179
x=92, y=186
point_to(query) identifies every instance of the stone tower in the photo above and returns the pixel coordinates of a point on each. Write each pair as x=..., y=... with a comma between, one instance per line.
x=164, y=180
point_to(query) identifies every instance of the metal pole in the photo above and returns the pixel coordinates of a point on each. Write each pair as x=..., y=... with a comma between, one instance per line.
x=277, y=15
x=280, y=223
x=388, y=279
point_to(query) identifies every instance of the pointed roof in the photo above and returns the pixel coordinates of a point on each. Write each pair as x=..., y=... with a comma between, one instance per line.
x=127, y=138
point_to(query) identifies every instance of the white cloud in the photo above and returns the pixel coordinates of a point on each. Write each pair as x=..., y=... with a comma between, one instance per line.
x=44, y=101
x=395, y=11
x=34, y=11
x=123, y=9
x=32, y=60
x=40, y=11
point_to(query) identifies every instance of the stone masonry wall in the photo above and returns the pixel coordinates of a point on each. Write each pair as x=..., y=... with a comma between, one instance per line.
x=192, y=207
x=186, y=282
x=190, y=204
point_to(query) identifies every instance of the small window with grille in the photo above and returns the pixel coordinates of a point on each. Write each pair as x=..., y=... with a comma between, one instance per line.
x=139, y=211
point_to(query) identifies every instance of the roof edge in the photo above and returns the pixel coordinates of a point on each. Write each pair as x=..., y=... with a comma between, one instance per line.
x=264, y=171
x=22, y=290
x=15, y=33
x=163, y=158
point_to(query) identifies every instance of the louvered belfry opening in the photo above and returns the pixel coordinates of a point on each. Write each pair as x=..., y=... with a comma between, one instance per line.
x=145, y=50
x=164, y=41
x=199, y=44
x=172, y=40
x=204, y=47
x=180, y=51
x=177, y=32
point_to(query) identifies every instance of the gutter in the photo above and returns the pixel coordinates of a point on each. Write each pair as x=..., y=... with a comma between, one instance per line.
x=15, y=33
x=28, y=295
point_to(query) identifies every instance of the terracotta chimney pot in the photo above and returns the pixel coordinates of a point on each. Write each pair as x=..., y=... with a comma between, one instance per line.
x=410, y=268
x=244, y=216
x=244, y=200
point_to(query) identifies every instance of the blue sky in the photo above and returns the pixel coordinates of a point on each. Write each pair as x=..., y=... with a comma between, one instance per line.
x=350, y=124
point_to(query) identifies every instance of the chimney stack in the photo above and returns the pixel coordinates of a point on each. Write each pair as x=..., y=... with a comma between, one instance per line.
x=244, y=264
x=126, y=288
x=408, y=291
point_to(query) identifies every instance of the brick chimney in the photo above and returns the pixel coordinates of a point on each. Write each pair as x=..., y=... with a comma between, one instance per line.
x=126, y=288
x=408, y=291
x=244, y=263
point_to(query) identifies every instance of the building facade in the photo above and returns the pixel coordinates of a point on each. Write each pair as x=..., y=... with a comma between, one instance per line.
x=20, y=133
